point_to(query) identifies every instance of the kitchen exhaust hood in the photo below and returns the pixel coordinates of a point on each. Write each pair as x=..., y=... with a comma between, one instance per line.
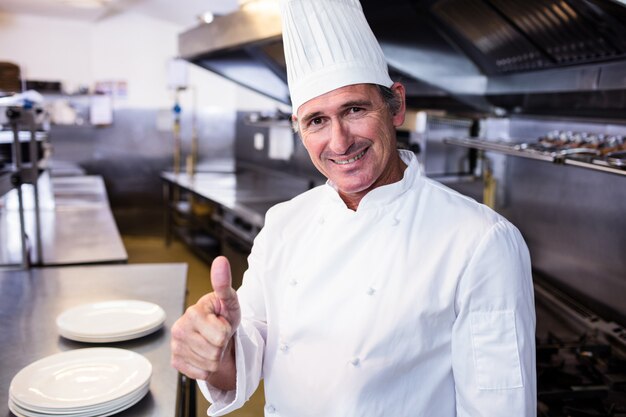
x=244, y=46
x=493, y=56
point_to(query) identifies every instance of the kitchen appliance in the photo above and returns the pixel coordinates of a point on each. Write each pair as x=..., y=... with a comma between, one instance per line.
x=499, y=57
x=244, y=46
x=581, y=369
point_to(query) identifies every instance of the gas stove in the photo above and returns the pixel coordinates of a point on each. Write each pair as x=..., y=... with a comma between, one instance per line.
x=581, y=365
x=577, y=378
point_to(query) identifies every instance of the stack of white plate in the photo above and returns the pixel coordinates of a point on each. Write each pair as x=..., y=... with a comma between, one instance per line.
x=80, y=383
x=110, y=321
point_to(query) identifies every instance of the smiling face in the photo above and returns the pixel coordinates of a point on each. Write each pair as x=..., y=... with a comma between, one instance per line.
x=350, y=136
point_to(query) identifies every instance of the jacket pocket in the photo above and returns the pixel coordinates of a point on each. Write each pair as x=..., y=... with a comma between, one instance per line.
x=496, y=355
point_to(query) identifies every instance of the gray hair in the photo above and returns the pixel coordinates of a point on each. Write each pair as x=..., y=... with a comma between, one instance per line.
x=392, y=101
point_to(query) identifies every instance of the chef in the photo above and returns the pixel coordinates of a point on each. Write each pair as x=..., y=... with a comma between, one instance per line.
x=380, y=293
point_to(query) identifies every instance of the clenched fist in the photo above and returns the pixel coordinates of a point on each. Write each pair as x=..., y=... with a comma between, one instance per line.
x=202, y=346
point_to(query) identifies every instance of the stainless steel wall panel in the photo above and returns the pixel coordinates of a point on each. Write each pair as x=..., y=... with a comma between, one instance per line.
x=613, y=76
x=573, y=219
x=245, y=152
x=131, y=154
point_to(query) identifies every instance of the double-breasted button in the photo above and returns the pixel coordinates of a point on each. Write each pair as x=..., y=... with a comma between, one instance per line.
x=270, y=409
x=293, y=282
x=284, y=347
x=355, y=362
x=371, y=291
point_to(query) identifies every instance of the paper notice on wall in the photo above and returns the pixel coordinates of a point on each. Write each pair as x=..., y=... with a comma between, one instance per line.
x=177, y=74
x=259, y=141
x=280, y=142
x=101, y=110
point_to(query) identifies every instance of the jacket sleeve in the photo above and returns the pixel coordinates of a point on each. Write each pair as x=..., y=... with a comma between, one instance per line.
x=249, y=338
x=493, y=338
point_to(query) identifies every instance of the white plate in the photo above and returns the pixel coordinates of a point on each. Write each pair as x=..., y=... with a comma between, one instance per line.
x=80, y=378
x=140, y=392
x=110, y=321
x=104, y=410
x=109, y=339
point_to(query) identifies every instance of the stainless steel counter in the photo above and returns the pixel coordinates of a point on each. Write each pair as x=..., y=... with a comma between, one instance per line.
x=77, y=225
x=239, y=203
x=30, y=301
x=248, y=194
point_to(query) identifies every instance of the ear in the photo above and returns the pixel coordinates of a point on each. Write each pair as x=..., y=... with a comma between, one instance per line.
x=294, y=125
x=399, y=90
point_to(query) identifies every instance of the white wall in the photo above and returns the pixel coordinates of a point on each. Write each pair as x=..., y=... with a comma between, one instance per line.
x=130, y=47
x=47, y=49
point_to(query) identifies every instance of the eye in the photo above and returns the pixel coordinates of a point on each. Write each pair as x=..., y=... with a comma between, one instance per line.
x=314, y=124
x=355, y=109
x=316, y=121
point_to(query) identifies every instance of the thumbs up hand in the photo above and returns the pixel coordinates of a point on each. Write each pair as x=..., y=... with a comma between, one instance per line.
x=226, y=302
x=202, y=346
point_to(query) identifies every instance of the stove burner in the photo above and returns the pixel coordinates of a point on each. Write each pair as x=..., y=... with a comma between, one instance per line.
x=579, y=378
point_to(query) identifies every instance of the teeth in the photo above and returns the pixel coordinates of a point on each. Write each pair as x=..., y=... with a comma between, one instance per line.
x=351, y=160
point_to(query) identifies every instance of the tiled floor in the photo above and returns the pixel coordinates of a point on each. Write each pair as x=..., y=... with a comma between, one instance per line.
x=154, y=250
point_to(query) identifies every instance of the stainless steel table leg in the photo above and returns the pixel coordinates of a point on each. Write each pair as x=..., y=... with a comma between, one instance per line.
x=167, y=198
x=34, y=157
x=186, y=401
x=18, y=181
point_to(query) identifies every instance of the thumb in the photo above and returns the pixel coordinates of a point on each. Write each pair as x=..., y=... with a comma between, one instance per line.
x=221, y=281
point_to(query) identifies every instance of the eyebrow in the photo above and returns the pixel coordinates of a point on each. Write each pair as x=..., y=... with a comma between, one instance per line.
x=346, y=105
x=356, y=103
x=311, y=116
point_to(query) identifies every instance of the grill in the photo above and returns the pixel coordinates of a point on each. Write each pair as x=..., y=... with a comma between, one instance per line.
x=581, y=365
x=580, y=377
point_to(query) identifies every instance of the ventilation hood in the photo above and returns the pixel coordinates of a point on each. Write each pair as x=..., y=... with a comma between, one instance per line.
x=493, y=56
x=244, y=46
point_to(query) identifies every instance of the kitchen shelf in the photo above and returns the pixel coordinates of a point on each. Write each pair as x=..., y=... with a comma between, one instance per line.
x=194, y=222
x=516, y=149
x=183, y=214
x=203, y=245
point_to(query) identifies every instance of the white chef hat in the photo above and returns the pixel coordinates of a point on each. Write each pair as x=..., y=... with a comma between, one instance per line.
x=328, y=45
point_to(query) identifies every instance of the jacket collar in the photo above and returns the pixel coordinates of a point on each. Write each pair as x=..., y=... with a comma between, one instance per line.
x=385, y=194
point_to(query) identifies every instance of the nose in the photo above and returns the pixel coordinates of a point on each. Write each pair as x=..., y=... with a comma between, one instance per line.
x=340, y=138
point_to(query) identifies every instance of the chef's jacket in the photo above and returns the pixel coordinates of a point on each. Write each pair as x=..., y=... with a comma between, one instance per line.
x=419, y=303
